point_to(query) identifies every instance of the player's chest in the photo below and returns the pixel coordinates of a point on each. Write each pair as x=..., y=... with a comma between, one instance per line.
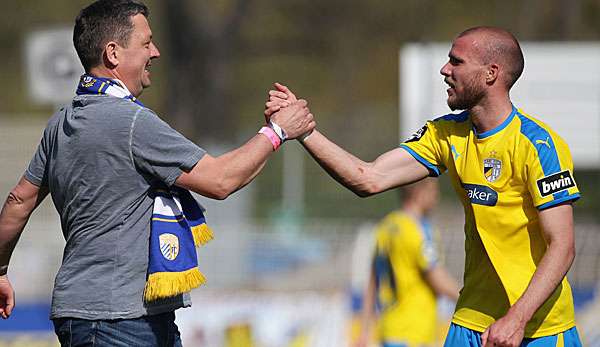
x=494, y=164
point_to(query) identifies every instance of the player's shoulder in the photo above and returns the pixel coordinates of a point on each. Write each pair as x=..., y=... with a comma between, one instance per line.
x=538, y=132
x=453, y=118
x=451, y=123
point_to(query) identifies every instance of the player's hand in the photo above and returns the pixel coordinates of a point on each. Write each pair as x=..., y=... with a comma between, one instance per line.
x=507, y=331
x=362, y=341
x=279, y=98
x=295, y=120
x=7, y=297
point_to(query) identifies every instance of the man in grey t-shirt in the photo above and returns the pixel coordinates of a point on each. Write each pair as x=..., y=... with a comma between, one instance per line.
x=100, y=158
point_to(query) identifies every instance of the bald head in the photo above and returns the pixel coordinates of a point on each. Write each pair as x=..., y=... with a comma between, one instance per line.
x=498, y=46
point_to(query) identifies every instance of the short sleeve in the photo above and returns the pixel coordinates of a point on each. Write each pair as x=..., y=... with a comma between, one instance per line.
x=159, y=150
x=549, y=173
x=36, y=172
x=424, y=145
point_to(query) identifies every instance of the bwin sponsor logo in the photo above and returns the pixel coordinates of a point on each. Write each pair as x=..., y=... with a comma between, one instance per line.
x=555, y=183
x=481, y=195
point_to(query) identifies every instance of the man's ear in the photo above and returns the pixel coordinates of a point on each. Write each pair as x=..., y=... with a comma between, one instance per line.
x=491, y=74
x=111, y=56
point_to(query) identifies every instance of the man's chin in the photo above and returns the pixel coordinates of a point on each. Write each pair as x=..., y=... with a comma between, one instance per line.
x=452, y=105
x=457, y=105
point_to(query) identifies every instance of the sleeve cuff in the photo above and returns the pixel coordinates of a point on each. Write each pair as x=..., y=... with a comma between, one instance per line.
x=572, y=198
x=32, y=179
x=188, y=165
x=434, y=170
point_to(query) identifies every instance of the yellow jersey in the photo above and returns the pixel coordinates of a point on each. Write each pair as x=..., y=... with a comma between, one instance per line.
x=404, y=250
x=503, y=176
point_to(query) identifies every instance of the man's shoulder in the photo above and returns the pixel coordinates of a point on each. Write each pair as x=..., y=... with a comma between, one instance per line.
x=537, y=131
x=107, y=103
x=455, y=118
x=451, y=123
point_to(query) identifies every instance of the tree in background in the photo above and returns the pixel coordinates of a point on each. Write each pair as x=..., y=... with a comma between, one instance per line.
x=203, y=38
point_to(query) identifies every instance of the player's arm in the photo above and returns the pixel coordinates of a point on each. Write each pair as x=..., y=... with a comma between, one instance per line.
x=19, y=205
x=218, y=177
x=367, y=314
x=442, y=282
x=392, y=169
x=557, y=228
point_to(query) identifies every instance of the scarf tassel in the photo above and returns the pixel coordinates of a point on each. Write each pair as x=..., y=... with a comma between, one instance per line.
x=202, y=234
x=161, y=285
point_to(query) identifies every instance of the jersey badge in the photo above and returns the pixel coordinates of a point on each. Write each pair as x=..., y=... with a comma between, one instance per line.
x=555, y=183
x=492, y=168
x=169, y=246
x=417, y=135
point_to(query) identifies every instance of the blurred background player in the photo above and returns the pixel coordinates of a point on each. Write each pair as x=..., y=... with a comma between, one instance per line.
x=406, y=275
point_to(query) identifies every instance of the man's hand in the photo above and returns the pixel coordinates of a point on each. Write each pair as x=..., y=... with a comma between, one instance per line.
x=507, y=331
x=296, y=119
x=279, y=98
x=7, y=297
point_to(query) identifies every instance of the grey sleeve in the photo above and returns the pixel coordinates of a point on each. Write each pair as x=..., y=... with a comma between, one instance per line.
x=159, y=150
x=36, y=171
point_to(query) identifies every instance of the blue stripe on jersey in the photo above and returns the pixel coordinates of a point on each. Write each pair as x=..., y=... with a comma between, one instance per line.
x=504, y=124
x=545, y=149
x=428, y=246
x=432, y=168
x=427, y=229
x=558, y=201
x=459, y=118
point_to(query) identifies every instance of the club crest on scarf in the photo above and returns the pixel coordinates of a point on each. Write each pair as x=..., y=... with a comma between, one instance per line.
x=178, y=227
x=169, y=246
x=87, y=81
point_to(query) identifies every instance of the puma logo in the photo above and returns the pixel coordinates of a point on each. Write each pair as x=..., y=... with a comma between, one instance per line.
x=540, y=142
x=455, y=152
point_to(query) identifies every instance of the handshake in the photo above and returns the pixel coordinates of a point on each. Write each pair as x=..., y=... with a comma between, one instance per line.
x=289, y=117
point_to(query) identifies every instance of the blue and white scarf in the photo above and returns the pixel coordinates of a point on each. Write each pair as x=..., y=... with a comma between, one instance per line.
x=178, y=227
x=178, y=224
x=99, y=85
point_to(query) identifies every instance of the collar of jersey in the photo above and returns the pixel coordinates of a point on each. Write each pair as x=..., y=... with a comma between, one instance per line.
x=499, y=127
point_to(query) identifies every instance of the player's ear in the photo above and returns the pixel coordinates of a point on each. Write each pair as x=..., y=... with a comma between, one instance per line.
x=491, y=74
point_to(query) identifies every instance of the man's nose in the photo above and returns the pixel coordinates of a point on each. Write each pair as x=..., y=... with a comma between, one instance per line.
x=155, y=53
x=445, y=70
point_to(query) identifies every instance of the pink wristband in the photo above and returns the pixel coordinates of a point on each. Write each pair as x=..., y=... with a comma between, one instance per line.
x=272, y=136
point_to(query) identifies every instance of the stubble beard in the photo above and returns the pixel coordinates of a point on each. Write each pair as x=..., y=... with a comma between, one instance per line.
x=471, y=95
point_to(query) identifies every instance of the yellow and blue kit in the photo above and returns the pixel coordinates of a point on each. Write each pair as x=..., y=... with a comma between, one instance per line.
x=461, y=337
x=503, y=176
x=404, y=250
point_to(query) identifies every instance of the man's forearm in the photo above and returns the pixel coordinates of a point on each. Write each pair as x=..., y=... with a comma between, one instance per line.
x=218, y=177
x=243, y=164
x=342, y=166
x=391, y=169
x=13, y=218
x=442, y=283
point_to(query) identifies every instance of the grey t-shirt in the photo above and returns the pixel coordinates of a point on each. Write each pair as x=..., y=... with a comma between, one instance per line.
x=100, y=157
